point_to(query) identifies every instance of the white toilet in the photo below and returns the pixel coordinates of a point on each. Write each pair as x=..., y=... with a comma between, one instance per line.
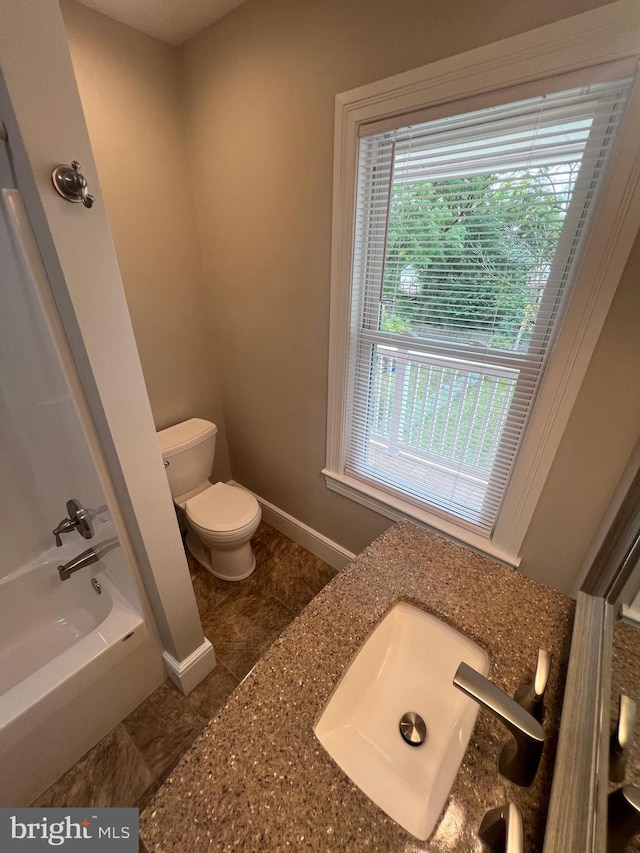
x=222, y=518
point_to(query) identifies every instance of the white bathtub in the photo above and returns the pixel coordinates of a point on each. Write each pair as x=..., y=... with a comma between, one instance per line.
x=60, y=688
x=50, y=629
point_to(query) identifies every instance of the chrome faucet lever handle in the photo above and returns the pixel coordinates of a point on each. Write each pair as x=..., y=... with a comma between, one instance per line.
x=79, y=519
x=65, y=526
x=520, y=757
x=622, y=738
x=531, y=697
x=502, y=829
x=623, y=821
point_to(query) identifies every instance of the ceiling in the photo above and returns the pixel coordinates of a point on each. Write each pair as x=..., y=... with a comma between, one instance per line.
x=171, y=21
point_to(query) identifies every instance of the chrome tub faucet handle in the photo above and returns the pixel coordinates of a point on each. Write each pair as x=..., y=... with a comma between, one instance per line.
x=79, y=519
x=520, y=756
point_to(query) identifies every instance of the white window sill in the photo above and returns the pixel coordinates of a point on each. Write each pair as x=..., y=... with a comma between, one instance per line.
x=398, y=510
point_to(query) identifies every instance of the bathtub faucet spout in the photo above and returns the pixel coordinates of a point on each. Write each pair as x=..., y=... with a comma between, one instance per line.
x=91, y=555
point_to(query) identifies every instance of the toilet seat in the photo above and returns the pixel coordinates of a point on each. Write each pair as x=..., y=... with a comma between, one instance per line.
x=222, y=510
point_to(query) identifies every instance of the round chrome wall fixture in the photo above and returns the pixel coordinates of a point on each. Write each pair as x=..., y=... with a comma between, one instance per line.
x=413, y=728
x=72, y=184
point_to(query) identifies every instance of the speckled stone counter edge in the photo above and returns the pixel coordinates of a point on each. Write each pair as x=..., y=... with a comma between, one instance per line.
x=258, y=779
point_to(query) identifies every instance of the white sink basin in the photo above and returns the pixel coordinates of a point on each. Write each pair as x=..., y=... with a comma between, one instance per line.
x=407, y=664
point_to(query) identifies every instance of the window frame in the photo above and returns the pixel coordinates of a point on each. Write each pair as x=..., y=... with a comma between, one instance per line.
x=601, y=44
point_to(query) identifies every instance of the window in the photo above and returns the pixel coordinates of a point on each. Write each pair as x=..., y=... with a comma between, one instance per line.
x=467, y=235
x=469, y=222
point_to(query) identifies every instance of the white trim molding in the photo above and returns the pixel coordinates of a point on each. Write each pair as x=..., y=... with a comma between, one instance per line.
x=317, y=544
x=601, y=43
x=397, y=510
x=188, y=673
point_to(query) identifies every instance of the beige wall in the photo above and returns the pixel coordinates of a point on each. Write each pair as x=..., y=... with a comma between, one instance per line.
x=130, y=94
x=259, y=88
x=599, y=439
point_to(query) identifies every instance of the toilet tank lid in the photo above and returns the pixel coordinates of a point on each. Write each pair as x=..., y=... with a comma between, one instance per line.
x=182, y=436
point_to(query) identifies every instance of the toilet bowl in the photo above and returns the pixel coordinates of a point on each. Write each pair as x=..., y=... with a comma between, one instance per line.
x=221, y=518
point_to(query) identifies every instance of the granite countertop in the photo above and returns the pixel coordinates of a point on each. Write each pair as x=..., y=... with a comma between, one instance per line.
x=625, y=678
x=257, y=778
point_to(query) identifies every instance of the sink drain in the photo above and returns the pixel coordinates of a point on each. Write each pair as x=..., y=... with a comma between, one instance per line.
x=413, y=728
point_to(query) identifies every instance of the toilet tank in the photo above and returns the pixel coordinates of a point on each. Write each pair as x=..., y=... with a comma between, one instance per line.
x=188, y=449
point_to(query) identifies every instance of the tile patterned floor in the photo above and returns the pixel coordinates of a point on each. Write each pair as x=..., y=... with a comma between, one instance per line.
x=241, y=620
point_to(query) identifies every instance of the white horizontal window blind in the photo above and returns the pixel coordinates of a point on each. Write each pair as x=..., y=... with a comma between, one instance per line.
x=468, y=232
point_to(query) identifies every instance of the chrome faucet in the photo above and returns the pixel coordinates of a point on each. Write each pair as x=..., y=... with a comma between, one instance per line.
x=531, y=697
x=79, y=519
x=520, y=757
x=502, y=829
x=91, y=555
x=621, y=739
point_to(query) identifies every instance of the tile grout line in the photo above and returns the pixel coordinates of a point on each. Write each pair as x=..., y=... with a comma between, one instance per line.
x=271, y=594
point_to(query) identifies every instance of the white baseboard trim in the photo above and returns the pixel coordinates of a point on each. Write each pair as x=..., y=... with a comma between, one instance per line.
x=321, y=546
x=190, y=671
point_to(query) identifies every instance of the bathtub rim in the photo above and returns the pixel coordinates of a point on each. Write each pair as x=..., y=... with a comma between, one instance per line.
x=120, y=624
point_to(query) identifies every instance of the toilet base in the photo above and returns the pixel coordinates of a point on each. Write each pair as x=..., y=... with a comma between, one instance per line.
x=233, y=565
